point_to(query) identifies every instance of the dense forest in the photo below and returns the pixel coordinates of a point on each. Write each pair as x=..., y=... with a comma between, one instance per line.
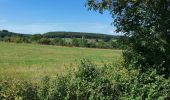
x=77, y=39
x=6, y=33
x=78, y=35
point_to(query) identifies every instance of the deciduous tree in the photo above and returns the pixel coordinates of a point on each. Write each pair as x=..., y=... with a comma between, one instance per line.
x=147, y=25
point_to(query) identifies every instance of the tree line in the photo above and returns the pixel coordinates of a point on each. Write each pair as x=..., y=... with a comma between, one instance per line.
x=89, y=40
x=78, y=35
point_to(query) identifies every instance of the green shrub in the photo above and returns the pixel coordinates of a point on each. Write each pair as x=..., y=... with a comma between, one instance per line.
x=148, y=86
x=6, y=39
x=75, y=42
x=17, y=90
x=36, y=37
x=87, y=82
x=45, y=41
x=91, y=82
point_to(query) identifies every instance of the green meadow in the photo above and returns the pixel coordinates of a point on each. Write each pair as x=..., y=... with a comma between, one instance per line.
x=33, y=61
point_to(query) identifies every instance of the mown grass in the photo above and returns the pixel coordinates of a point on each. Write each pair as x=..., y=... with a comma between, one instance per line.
x=32, y=61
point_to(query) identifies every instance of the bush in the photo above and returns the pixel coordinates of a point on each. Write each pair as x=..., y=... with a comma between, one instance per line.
x=91, y=82
x=45, y=41
x=87, y=82
x=43, y=90
x=36, y=37
x=148, y=86
x=59, y=42
x=17, y=90
x=6, y=39
x=75, y=42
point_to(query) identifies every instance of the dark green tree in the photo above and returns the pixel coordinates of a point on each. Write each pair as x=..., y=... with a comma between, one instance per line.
x=45, y=41
x=5, y=31
x=62, y=42
x=59, y=42
x=83, y=42
x=75, y=42
x=36, y=37
x=55, y=41
x=146, y=23
x=101, y=44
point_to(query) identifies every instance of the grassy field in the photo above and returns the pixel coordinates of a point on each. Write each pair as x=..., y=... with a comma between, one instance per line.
x=31, y=61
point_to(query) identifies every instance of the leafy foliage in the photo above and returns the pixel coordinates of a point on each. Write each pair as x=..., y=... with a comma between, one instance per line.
x=90, y=82
x=17, y=90
x=149, y=86
x=147, y=24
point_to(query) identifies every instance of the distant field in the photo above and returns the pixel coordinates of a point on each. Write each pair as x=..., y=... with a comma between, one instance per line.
x=31, y=61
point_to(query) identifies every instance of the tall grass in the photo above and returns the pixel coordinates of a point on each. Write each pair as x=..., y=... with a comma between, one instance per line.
x=90, y=82
x=31, y=61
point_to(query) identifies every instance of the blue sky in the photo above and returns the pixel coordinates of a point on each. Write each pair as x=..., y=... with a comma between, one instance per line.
x=40, y=16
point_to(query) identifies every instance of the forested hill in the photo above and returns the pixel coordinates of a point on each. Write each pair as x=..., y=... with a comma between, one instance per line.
x=77, y=39
x=76, y=35
x=5, y=33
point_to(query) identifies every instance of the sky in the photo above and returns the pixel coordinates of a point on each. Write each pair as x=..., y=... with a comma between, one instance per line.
x=41, y=16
